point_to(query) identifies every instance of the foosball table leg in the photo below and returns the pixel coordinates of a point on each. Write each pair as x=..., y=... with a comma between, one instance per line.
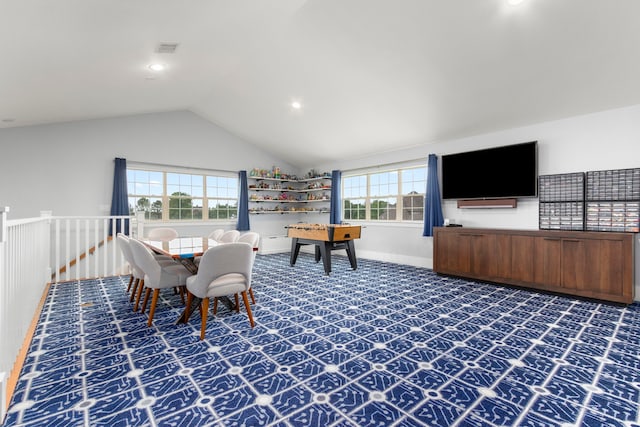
x=295, y=250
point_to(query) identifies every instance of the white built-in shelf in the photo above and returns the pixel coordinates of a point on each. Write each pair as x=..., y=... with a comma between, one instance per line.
x=271, y=189
x=273, y=211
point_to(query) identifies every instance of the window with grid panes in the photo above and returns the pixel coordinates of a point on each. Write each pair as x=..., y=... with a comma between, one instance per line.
x=180, y=196
x=392, y=195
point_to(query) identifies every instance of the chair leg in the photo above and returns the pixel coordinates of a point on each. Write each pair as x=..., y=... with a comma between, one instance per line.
x=253, y=299
x=246, y=304
x=237, y=303
x=215, y=306
x=203, y=316
x=130, y=282
x=152, y=309
x=181, y=290
x=188, y=307
x=135, y=288
x=140, y=287
x=147, y=292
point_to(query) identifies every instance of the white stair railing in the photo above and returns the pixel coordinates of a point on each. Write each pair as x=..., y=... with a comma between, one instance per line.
x=47, y=249
x=24, y=267
x=81, y=247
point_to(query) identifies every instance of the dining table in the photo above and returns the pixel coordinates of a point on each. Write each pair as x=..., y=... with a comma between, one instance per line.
x=185, y=250
x=182, y=249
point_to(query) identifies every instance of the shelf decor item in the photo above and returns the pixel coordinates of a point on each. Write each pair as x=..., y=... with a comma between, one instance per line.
x=284, y=193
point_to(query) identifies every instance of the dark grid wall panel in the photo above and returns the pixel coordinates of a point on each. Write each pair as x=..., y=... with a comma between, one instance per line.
x=561, y=204
x=613, y=216
x=562, y=216
x=618, y=184
x=613, y=200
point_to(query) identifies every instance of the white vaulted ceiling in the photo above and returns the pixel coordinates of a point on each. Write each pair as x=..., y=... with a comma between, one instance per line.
x=371, y=75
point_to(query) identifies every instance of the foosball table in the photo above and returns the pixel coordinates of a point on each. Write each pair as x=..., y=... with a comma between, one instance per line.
x=326, y=238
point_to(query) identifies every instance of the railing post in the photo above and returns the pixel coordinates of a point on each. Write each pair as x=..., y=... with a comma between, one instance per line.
x=50, y=270
x=3, y=223
x=3, y=239
x=140, y=223
x=3, y=395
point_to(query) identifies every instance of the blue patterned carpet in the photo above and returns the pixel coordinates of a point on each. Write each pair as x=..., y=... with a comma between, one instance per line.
x=386, y=345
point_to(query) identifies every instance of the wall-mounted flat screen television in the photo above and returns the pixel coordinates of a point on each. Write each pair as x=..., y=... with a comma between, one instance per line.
x=491, y=173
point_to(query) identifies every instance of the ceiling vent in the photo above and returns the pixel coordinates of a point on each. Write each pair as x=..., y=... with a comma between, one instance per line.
x=167, y=48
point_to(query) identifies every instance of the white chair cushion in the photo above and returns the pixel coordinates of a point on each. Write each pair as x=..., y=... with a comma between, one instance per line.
x=227, y=284
x=179, y=270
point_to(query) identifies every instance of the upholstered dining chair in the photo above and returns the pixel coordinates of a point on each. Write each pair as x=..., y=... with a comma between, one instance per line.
x=252, y=238
x=229, y=236
x=216, y=234
x=136, y=273
x=156, y=276
x=163, y=234
x=224, y=270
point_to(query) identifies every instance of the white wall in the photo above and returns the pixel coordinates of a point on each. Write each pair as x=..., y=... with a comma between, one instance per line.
x=40, y=167
x=68, y=168
x=605, y=140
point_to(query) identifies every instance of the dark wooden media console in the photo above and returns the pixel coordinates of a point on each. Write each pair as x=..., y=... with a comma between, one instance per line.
x=596, y=265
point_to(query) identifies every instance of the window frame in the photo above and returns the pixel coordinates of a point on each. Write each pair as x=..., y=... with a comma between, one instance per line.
x=203, y=200
x=369, y=199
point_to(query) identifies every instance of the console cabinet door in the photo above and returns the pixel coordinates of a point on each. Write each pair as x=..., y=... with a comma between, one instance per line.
x=483, y=255
x=522, y=258
x=593, y=267
x=573, y=263
x=470, y=254
x=503, y=256
x=454, y=254
x=548, y=261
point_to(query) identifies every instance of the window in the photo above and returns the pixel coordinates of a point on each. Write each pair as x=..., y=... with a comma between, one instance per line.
x=393, y=195
x=179, y=196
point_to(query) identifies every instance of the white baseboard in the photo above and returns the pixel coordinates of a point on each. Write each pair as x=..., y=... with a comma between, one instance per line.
x=397, y=259
x=382, y=256
x=274, y=245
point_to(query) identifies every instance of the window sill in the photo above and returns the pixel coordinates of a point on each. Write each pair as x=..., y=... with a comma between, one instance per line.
x=189, y=223
x=398, y=224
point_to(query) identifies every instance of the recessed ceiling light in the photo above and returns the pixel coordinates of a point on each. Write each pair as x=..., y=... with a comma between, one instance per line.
x=514, y=2
x=296, y=105
x=157, y=67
